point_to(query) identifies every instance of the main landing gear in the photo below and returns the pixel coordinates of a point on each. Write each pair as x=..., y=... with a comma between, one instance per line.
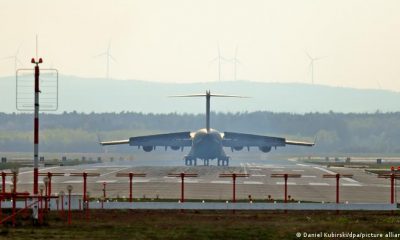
x=190, y=161
x=224, y=161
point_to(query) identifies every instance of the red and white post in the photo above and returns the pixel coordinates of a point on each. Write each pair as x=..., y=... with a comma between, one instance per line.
x=131, y=175
x=234, y=176
x=182, y=176
x=36, y=129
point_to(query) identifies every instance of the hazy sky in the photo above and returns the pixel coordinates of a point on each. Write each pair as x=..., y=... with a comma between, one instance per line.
x=176, y=40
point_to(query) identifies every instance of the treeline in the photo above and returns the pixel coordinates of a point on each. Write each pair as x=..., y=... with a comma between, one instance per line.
x=79, y=132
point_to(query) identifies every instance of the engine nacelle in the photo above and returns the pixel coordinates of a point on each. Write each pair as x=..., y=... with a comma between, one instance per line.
x=238, y=148
x=175, y=148
x=265, y=149
x=148, y=148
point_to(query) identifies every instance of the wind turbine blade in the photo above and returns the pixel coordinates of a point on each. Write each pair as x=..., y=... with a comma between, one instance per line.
x=190, y=95
x=115, y=60
x=225, y=59
x=224, y=95
x=213, y=60
x=308, y=55
x=101, y=54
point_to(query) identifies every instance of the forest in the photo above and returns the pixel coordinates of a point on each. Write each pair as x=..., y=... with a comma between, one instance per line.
x=335, y=133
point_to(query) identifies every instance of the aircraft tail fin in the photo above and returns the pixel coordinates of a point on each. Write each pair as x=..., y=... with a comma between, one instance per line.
x=208, y=96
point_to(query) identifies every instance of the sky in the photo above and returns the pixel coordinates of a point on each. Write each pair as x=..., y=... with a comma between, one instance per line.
x=177, y=40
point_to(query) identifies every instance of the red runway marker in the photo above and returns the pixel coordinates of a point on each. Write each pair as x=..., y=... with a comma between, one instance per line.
x=130, y=175
x=234, y=176
x=182, y=176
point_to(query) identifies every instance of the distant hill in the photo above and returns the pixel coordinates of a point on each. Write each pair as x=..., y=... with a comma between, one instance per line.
x=100, y=95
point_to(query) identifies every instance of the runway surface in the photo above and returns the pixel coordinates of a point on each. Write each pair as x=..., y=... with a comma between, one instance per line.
x=362, y=188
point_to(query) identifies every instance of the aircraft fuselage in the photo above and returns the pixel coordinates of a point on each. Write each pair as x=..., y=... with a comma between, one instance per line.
x=206, y=145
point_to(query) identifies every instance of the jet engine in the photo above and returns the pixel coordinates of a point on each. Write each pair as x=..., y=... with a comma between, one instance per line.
x=175, y=148
x=238, y=148
x=148, y=148
x=265, y=149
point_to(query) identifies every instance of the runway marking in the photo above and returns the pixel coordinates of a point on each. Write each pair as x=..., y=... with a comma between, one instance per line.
x=302, y=165
x=351, y=184
x=106, y=181
x=258, y=175
x=318, y=184
x=255, y=169
x=223, y=182
x=308, y=176
x=325, y=170
x=73, y=181
x=191, y=181
x=141, y=180
x=91, y=169
x=298, y=170
x=288, y=183
x=41, y=170
x=251, y=182
x=105, y=174
x=351, y=180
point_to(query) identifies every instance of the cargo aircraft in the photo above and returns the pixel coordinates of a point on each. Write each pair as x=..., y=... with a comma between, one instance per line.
x=207, y=143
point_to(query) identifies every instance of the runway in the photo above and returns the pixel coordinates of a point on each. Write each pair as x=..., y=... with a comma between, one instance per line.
x=362, y=188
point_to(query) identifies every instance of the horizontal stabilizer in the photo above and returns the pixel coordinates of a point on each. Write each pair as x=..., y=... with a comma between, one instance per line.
x=106, y=143
x=308, y=144
x=209, y=94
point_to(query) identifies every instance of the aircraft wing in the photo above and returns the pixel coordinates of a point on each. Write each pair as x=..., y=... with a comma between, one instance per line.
x=232, y=139
x=178, y=139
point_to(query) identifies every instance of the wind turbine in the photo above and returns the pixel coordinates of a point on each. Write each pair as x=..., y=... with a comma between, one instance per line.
x=312, y=60
x=235, y=62
x=15, y=57
x=219, y=58
x=108, y=57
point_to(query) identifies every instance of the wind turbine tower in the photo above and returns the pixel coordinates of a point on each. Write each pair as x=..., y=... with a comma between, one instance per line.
x=219, y=58
x=235, y=62
x=109, y=57
x=312, y=60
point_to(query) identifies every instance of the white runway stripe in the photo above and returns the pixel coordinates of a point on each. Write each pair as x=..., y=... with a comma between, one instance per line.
x=324, y=170
x=191, y=181
x=318, y=184
x=308, y=176
x=351, y=180
x=351, y=184
x=302, y=165
x=118, y=170
x=258, y=175
x=251, y=182
x=223, y=182
x=74, y=181
x=283, y=183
